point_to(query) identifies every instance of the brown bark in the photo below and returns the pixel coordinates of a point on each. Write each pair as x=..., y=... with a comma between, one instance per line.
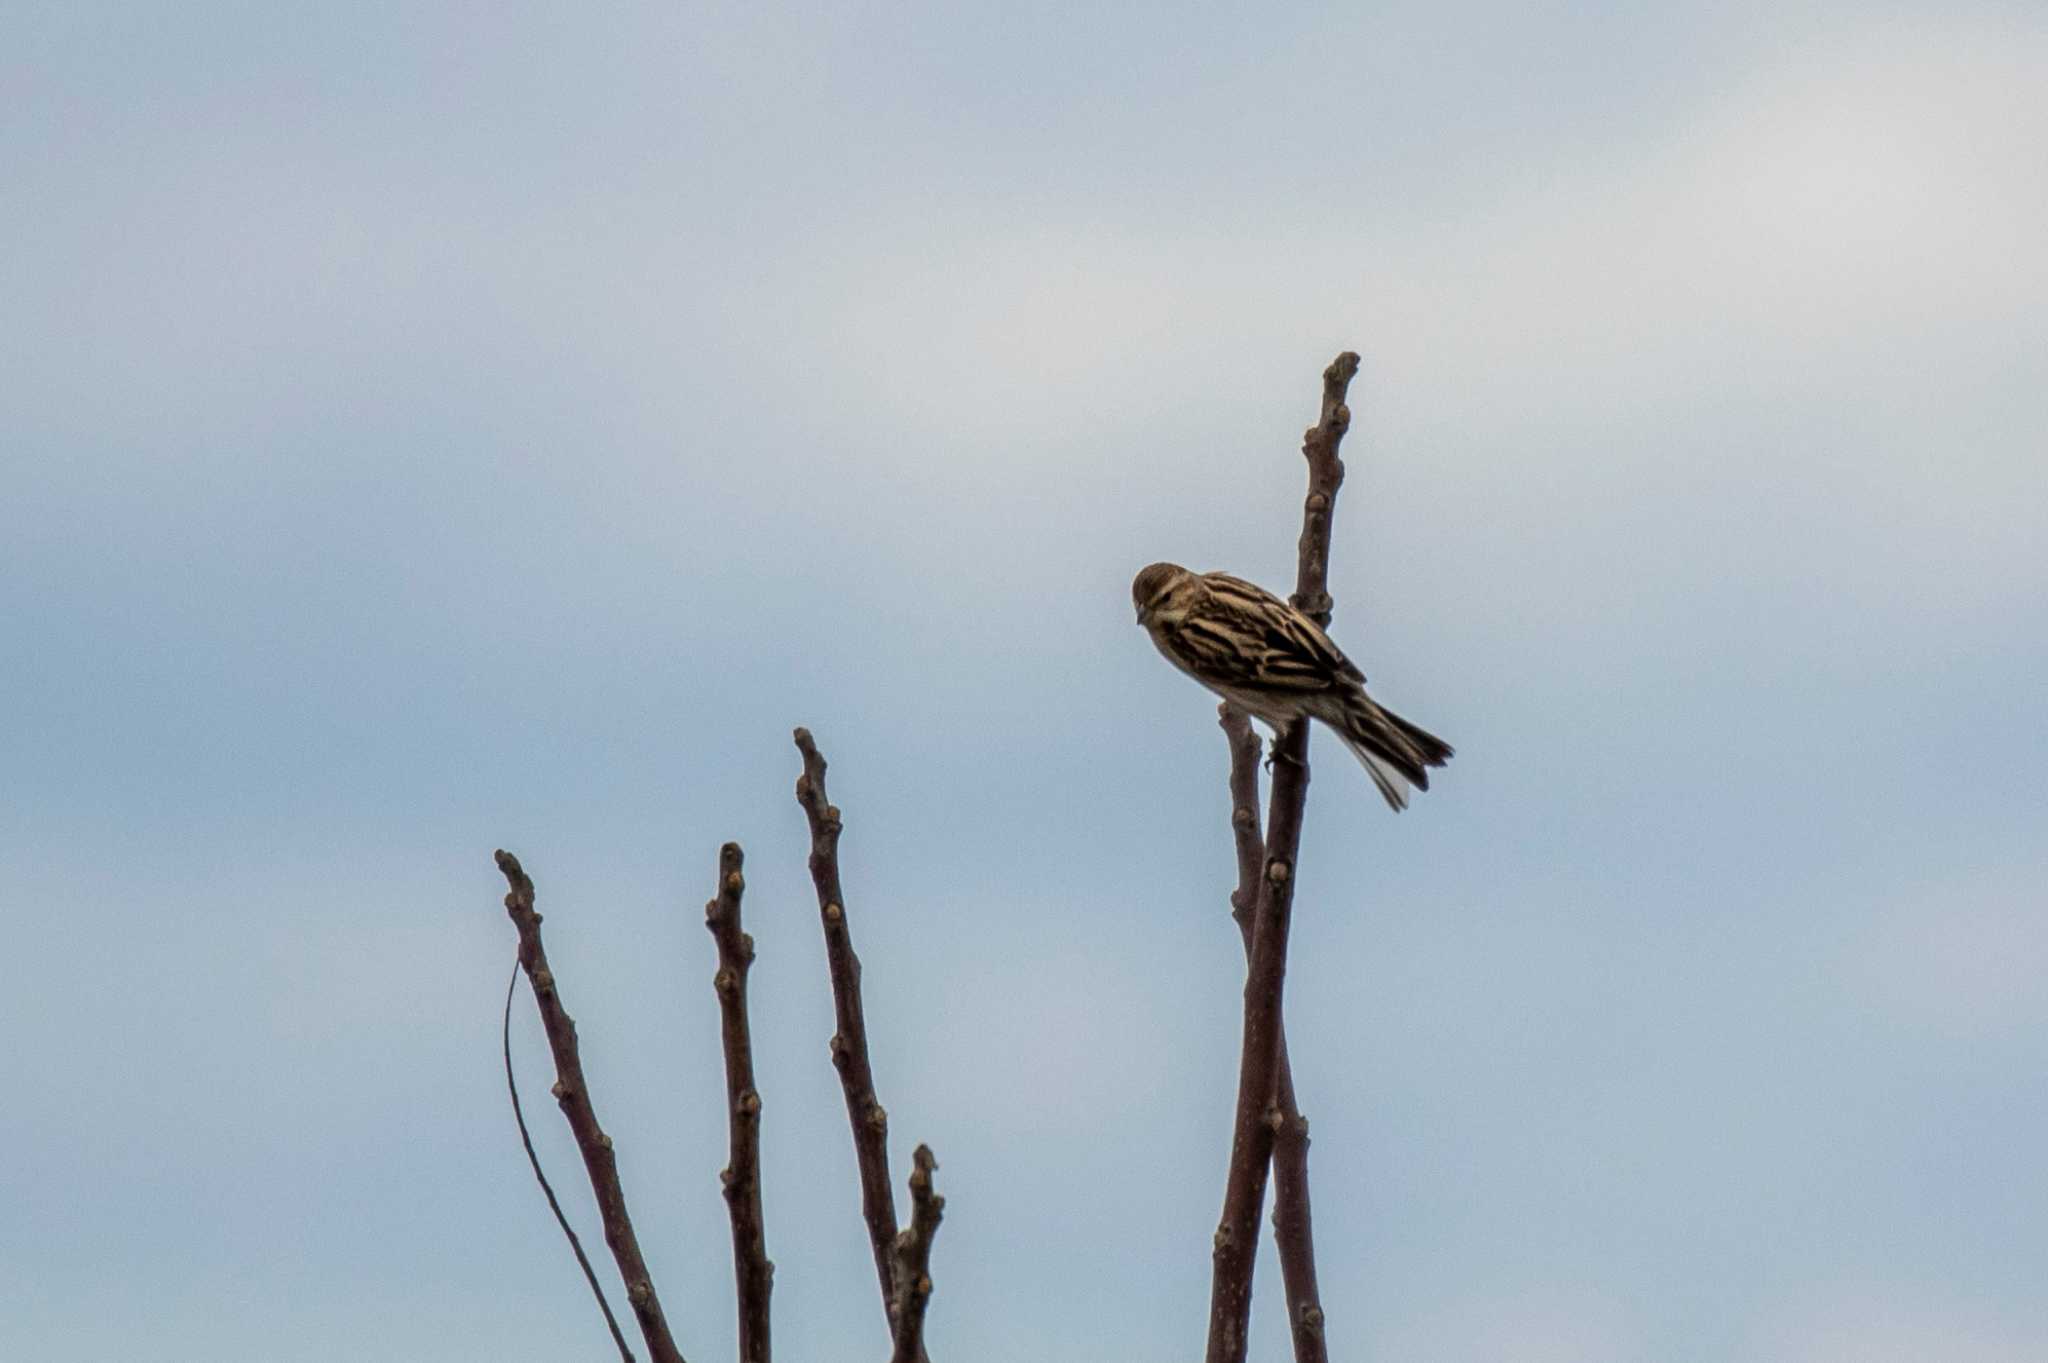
x=1257, y=1116
x=864, y=1111
x=573, y=1095
x=754, y=1276
x=1293, y=1226
x=914, y=1259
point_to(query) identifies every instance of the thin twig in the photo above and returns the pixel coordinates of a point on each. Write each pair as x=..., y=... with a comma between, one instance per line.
x=914, y=1259
x=519, y=1117
x=574, y=1096
x=850, y=1042
x=754, y=1275
x=1236, y=1249
x=1293, y=1227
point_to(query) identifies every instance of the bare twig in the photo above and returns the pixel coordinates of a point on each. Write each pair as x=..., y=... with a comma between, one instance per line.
x=753, y=1273
x=574, y=1097
x=850, y=1042
x=547, y=1190
x=1258, y=1067
x=914, y=1259
x=1293, y=1228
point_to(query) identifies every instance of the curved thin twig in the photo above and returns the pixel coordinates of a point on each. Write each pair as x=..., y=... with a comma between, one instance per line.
x=574, y=1096
x=519, y=1116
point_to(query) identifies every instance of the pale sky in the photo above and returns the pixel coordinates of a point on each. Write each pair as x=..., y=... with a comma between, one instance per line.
x=426, y=429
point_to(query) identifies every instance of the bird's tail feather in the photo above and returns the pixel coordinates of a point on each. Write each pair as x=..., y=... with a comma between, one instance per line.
x=1395, y=753
x=1388, y=777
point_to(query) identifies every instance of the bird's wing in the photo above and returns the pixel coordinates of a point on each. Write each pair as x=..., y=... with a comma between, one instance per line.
x=1257, y=639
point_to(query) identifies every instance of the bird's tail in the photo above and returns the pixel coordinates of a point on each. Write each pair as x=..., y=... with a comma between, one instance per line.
x=1395, y=753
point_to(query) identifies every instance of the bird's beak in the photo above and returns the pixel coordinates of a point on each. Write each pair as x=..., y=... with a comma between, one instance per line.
x=1144, y=615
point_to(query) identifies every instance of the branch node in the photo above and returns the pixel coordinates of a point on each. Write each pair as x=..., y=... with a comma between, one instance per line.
x=1265, y=1097
x=571, y=1092
x=849, y=1047
x=912, y=1253
x=741, y=1179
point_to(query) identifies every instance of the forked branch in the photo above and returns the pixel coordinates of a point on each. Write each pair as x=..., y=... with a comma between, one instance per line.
x=914, y=1259
x=1257, y=1116
x=574, y=1096
x=1293, y=1226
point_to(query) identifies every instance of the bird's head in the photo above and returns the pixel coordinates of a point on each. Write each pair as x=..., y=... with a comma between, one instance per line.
x=1154, y=587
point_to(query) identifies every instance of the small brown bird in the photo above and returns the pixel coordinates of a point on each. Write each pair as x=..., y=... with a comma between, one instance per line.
x=1275, y=664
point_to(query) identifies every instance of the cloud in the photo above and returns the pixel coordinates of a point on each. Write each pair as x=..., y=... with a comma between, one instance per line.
x=1964, y=958
x=1563, y=1323
x=1872, y=1325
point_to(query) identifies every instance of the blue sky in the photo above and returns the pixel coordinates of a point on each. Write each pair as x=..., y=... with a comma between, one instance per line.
x=431, y=429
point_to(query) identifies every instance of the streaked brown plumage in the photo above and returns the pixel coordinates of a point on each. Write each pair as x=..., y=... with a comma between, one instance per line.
x=1277, y=665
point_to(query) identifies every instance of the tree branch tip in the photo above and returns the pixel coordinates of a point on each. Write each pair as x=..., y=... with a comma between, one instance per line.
x=1344, y=368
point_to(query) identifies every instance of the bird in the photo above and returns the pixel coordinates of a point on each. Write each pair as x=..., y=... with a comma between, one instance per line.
x=1270, y=660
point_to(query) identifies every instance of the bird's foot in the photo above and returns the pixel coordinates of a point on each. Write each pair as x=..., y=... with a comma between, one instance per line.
x=1276, y=752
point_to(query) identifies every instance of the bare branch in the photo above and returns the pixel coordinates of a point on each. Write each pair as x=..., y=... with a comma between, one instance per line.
x=1292, y=1222
x=850, y=1042
x=547, y=1189
x=1257, y=1117
x=753, y=1273
x=574, y=1097
x=1245, y=750
x=914, y=1259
